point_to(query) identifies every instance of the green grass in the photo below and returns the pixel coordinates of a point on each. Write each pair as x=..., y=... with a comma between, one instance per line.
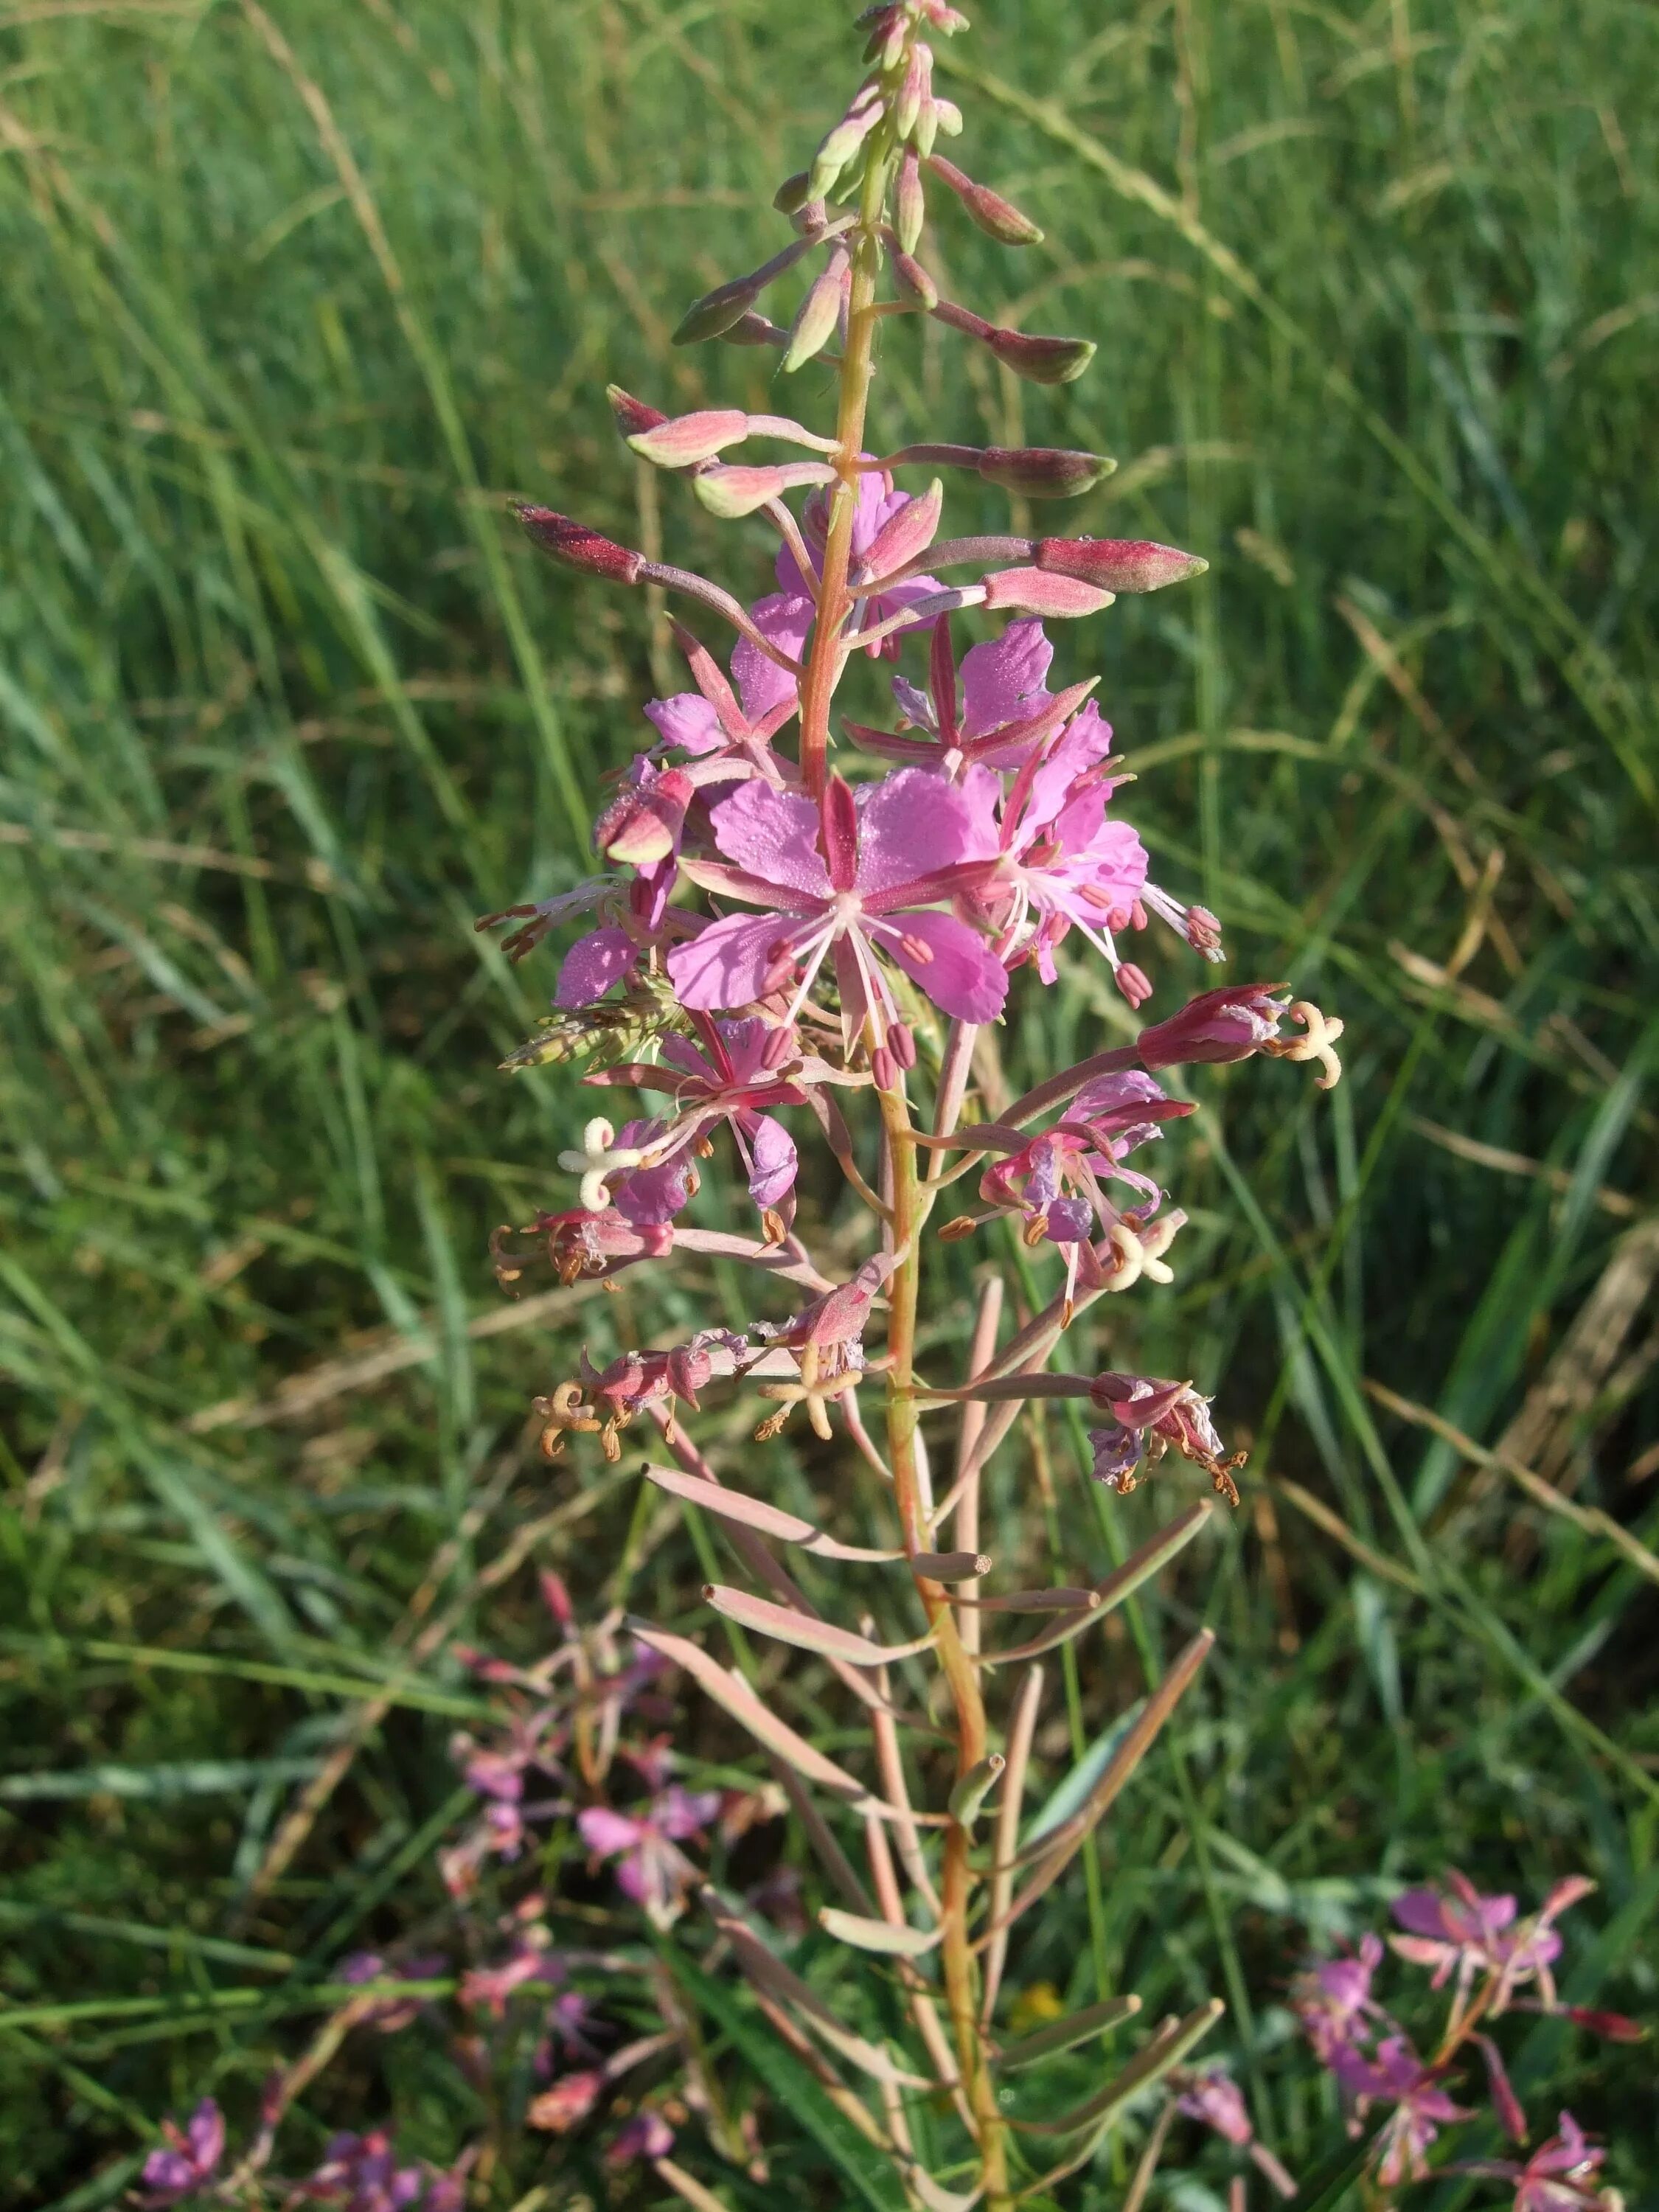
x=285, y=703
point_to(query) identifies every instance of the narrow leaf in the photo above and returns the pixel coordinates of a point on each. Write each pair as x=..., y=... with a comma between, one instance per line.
x=756, y=1513
x=1066, y=2034
x=1166, y=2049
x=879, y=1936
x=806, y=1633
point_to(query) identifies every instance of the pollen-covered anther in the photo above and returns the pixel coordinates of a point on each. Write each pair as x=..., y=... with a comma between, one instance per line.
x=1317, y=1041
x=953, y=1232
x=916, y=949
x=599, y=1156
x=562, y=1411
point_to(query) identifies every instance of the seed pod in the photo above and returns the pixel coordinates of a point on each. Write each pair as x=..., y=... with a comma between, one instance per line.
x=974, y=1787
x=575, y=546
x=1042, y=360
x=1036, y=592
x=681, y=441
x=911, y=204
x=997, y=217
x=819, y=311
x=730, y=493
x=1120, y=564
x=1044, y=471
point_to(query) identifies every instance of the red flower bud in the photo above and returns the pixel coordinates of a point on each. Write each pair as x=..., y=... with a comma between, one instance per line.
x=1229, y=1024
x=632, y=415
x=999, y=218
x=576, y=546
x=1118, y=564
x=1044, y=472
x=1033, y=591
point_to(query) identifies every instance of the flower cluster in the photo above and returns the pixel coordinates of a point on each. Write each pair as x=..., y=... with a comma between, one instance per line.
x=1494, y=1961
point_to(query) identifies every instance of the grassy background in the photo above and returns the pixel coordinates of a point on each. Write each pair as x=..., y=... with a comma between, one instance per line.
x=291, y=314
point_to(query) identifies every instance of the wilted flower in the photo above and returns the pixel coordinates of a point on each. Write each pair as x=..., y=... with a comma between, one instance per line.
x=1149, y=1417
x=1393, y=2074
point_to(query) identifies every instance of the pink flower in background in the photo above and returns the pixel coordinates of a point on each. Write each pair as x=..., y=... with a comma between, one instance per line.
x=1469, y=1934
x=1333, y=1998
x=191, y=2159
x=895, y=847
x=360, y=2174
x=1559, y=2177
x=1215, y=2098
x=647, y=2136
x=1393, y=2074
x=652, y=1871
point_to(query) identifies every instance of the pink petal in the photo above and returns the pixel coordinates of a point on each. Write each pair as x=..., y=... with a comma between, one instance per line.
x=647, y=1197
x=964, y=978
x=688, y=719
x=679, y=1813
x=1002, y=681
x=1504, y=2102
x=1422, y=1911
x=1087, y=741
x=772, y=1176
x=773, y=835
x=912, y=823
x=606, y=1833
x=762, y=685
x=728, y=963
x=593, y=964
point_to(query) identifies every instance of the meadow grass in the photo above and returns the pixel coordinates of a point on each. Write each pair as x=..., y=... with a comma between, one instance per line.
x=295, y=305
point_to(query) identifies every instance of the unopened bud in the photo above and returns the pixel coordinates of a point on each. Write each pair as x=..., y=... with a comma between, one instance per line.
x=681, y=441
x=794, y=193
x=727, y=303
x=576, y=546
x=843, y=142
x=642, y=825
x=632, y=416
x=1044, y=471
x=910, y=205
x=1042, y=360
x=910, y=531
x=915, y=91
x=915, y=283
x=1118, y=564
x=754, y=329
x=732, y=492
x=997, y=217
x=1033, y=591
x=818, y=313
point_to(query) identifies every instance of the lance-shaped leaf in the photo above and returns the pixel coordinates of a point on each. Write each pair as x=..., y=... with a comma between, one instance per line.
x=762, y=1966
x=1065, y=2034
x=733, y=1695
x=766, y=1519
x=805, y=1633
x=1154, y=1555
x=1058, y=1848
x=1167, y=2048
x=892, y=1942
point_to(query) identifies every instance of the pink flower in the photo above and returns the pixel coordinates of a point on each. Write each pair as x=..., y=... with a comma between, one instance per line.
x=1394, y=2075
x=580, y=1243
x=1333, y=1998
x=742, y=1067
x=652, y=1871
x=647, y=2136
x=713, y=719
x=1216, y=2098
x=894, y=848
x=1469, y=1934
x=360, y=2174
x=609, y=955
x=997, y=710
x=879, y=509
x=567, y=2103
x=1226, y=1024
x=191, y=2160
x=1559, y=2177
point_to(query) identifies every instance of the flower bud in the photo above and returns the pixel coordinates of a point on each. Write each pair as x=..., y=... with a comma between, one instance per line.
x=1118, y=564
x=910, y=531
x=819, y=311
x=632, y=415
x=843, y=142
x=911, y=202
x=1225, y=1024
x=642, y=825
x=1033, y=591
x=680, y=441
x=1042, y=360
x=1044, y=472
x=753, y=330
x=717, y=310
x=576, y=546
x=914, y=92
x=730, y=493
x=794, y=193
x=915, y=283
x=997, y=217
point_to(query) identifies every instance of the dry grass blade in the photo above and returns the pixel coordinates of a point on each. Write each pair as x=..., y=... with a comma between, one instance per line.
x=879, y=1936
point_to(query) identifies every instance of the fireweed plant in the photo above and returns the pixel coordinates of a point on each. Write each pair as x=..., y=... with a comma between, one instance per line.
x=866, y=895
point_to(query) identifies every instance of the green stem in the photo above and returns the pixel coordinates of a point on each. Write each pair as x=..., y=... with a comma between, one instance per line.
x=910, y=1213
